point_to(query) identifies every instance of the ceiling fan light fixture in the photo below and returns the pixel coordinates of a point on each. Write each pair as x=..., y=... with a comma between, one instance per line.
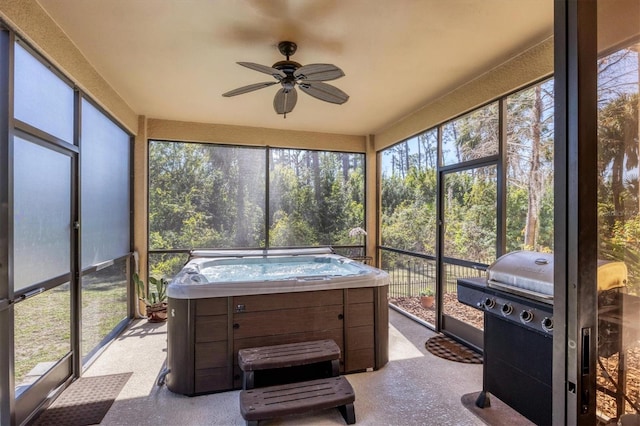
x=284, y=101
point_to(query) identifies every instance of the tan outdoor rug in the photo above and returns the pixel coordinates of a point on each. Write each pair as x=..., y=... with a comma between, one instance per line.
x=447, y=348
x=498, y=414
x=85, y=402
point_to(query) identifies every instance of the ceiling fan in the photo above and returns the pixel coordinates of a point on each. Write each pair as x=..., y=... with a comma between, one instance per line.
x=309, y=78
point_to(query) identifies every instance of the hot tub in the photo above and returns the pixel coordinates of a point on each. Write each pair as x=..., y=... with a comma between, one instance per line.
x=226, y=300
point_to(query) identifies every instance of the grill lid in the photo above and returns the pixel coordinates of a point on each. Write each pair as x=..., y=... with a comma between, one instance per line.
x=530, y=274
x=526, y=272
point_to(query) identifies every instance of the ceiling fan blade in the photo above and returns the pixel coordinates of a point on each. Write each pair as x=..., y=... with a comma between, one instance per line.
x=324, y=92
x=249, y=88
x=285, y=100
x=318, y=72
x=279, y=75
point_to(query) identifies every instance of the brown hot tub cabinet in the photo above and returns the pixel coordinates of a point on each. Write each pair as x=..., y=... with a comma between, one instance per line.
x=206, y=333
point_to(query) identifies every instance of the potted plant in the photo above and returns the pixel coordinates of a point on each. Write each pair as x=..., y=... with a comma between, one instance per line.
x=427, y=298
x=356, y=233
x=156, y=303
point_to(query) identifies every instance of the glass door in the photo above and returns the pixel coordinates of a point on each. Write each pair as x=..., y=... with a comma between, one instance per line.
x=468, y=243
x=467, y=213
x=597, y=197
x=42, y=241
x=61, y=158
x=42, y=265
x=6, y=393
x=618, y=277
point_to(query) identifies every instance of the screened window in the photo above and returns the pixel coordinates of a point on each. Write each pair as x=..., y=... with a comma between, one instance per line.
x=529, y=168
x=204, y=196
x=472, y=136
x=104, y=303
x=105, y=188
x=42, y=213
x=42, y=99
x=456, y=187
x=470, y=206
x=315, y=198
x=215, y=196
x=409, y=194
x=40, y=343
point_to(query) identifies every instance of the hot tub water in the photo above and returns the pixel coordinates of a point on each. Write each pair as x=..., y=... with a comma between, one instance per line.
x=231, y=270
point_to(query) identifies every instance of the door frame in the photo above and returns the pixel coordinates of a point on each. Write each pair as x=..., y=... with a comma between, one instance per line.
x=446, y=323
x=18, y=409
x=55, y=379
x=575, y=217
x=6, y=310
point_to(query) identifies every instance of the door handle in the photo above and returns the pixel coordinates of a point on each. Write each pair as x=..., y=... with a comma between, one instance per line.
x=585, y=370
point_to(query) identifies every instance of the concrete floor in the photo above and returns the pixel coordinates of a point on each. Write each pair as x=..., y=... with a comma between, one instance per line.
x=414, y=388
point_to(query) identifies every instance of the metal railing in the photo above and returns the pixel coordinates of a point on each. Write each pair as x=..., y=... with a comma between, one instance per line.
x=412, y=273
x=409, y=273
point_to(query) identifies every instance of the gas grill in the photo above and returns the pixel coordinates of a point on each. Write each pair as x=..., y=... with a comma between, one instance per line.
x=517, y=300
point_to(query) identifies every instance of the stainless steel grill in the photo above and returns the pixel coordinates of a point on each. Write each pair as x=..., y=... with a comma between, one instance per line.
x=517, y=300
x=526, y=273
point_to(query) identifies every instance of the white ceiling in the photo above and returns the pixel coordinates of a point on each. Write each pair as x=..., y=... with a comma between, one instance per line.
x=173, y=59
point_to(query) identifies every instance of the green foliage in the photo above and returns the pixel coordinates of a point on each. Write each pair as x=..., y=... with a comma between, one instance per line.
x=618, y=191
x=211, y=196
x=426, y=292
x=409, y=182
x=289, y=231
x=157, y=291
x=205, y=196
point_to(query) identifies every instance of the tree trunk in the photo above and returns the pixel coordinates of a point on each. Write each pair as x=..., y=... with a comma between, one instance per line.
x=535, y=176
x=317, y=190
x=406, y=157
x=241, y=217
x=345, y=167
x=617, y=176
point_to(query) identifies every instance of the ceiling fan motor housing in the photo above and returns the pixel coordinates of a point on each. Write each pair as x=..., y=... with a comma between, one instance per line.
x=287, y=67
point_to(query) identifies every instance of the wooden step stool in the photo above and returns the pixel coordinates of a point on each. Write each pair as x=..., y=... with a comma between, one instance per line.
x=297, y=398
x=252, y=360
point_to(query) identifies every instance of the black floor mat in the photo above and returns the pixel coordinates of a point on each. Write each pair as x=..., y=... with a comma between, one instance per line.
x=447, y=348
x=85, y=402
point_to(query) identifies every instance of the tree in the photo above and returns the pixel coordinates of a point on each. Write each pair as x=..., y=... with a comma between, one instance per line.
x=529, y=162
x=618, y=143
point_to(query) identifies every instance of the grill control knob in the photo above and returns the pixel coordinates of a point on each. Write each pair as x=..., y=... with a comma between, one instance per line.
x=526, y=316
x=547, y=324
x=489, y=303
x=507, y=309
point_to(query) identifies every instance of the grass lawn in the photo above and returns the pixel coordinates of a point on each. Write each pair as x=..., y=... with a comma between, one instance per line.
x=42, y=323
